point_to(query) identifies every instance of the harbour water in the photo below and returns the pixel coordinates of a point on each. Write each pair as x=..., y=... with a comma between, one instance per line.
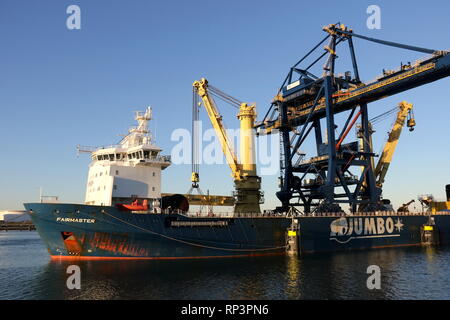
x=26, y=272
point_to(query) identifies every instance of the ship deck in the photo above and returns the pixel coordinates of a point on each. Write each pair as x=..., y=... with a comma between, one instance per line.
x=311, y=215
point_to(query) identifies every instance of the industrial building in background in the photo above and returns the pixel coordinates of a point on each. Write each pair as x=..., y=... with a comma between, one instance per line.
x=14, y=216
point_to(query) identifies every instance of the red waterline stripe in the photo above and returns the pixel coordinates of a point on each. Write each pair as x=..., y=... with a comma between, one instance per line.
x=162, y=258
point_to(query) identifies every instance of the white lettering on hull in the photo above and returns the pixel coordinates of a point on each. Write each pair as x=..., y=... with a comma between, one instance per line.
x=345, y=229
x=76, y=220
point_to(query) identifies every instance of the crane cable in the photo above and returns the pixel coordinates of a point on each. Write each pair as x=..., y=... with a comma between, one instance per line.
x=383, y=115
x=224, y=96
x=195, y=133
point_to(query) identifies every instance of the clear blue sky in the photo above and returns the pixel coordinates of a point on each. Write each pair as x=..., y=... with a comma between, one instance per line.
x=60, y=87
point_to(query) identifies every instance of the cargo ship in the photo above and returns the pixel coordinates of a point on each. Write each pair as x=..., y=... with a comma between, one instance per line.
x=125, y=216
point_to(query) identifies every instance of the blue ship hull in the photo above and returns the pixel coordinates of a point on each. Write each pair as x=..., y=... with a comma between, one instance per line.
x=369, y=231
x=102, y=232
x=73, y=230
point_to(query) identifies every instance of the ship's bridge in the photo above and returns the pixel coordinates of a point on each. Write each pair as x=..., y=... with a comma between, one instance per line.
x=128, y=170
x=139, y=155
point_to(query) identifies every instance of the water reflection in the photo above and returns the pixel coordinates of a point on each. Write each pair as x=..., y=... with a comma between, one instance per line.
x=293, y=279
x=406, y=273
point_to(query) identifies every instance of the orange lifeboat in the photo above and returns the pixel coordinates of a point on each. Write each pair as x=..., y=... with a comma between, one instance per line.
x=134, y=206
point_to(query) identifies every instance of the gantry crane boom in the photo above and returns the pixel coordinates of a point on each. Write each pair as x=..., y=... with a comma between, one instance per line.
x=409, y=77
x=381, y=169
x=247, y=184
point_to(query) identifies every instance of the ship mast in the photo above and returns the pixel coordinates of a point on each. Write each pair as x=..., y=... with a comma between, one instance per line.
x=139, y=135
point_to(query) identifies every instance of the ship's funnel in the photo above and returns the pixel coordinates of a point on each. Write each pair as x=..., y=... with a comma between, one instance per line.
x=447, y=191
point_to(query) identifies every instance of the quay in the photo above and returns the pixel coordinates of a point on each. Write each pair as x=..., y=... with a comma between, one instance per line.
x=15, y=226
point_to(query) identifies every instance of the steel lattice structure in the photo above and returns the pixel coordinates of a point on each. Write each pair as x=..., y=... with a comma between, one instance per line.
x=325, y=181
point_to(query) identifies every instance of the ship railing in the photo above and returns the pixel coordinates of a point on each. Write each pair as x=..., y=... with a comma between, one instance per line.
x=90, y=149
x=445, y=212
x=233, y=215
x=157, y=158
x=408, y=66
x=146, y=159
x=166, y=158
x=317, y=214
x=49, y=199
x=375, y=213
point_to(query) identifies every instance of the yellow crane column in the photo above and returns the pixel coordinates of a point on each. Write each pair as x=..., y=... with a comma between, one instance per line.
x=248, y=194
x=247, y=116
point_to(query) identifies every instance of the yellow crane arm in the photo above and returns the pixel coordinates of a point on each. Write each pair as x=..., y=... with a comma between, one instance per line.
x=201, y=88
x=381, y=169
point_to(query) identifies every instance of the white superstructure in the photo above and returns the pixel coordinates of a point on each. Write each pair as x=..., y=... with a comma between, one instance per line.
x=129, y=170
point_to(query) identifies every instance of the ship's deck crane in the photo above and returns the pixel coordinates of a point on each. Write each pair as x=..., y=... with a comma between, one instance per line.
x=405, y=110
x=248, y=195
x=404, y=207
x=305, y=102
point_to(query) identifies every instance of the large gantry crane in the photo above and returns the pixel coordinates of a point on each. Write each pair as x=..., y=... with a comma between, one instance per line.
x=323, y=182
